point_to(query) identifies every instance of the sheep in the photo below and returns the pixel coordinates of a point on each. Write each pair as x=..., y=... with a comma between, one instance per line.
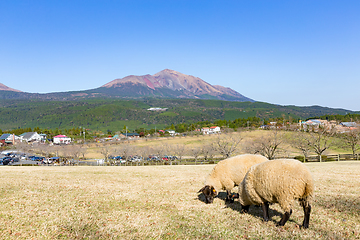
x=278, y=181
x=227, y=174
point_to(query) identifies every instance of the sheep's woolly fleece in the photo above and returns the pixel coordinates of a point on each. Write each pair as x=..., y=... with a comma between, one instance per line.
x=230, y=172
x=277, y=181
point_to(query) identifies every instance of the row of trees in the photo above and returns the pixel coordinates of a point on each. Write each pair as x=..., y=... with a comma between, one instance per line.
x=271, y=143
x=224, y=145
x=319, y=141
x=65, y=152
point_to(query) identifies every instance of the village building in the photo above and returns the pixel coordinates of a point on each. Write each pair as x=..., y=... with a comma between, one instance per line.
x=210, y=130
x=171, y=132
x=31, y=137
x=8, y=138
x=61, y=139
x=131, y=135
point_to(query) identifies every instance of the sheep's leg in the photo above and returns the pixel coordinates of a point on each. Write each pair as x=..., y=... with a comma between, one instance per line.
x=285, y=218
x=229, y=196
x=307, y=210
x=265, y=208
x=245, y=209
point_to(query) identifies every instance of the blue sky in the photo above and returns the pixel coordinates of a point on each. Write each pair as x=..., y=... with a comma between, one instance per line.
x=283, y=52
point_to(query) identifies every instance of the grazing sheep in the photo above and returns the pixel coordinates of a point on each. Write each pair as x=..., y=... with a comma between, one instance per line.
x=227, y=174
x=278, y=181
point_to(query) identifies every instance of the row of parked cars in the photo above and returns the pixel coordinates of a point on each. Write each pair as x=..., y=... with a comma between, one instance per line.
x=122, y=159
x=10, y=158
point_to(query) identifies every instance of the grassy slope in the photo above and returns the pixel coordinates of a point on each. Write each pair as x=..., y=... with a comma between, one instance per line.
x=161, y=202
x=113, y=114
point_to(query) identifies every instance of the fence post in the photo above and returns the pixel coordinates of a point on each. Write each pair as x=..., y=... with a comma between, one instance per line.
x=338, y=157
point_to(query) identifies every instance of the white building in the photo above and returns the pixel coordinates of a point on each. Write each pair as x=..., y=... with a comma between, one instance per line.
x=61, y=139
x=210, y=130
x=31, y=137
x=171, y=132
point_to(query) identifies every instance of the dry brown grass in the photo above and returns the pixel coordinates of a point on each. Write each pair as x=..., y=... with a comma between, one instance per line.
x=189, y=141
x=161, y=202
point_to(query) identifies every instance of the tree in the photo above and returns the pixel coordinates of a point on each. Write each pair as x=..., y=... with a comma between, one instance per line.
x=179, y=150
x=74, y=151
x=227, y=144
x=267, y=145
x=125, y=150
x=143, y=152
x=105, y=151
x=208, y=151
x=319, y=140
x=195, y=152
x=298, y=140
x=351, y=139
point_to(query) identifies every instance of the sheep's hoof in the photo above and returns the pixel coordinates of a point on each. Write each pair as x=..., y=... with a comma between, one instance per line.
x=245, y=209
x=280, y=224
x=305, y=226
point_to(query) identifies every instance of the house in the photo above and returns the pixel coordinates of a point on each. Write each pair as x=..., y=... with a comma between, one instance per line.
x=31, y=137
x=210, y=130
x=131, y=135
x=118, y=137
x=344, y=127
x=349, y=124
x=8, y=138
x=205, y=130
x=214, y=129
x=171, y=132
x=43, y=137
x=61, y=139
x=157, y=109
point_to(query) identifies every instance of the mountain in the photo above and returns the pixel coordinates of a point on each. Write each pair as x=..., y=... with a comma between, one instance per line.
x=171, y=84
x=6, y=88
x=167, y=84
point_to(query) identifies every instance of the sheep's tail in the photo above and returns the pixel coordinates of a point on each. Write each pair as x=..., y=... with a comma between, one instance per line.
x=308, y=194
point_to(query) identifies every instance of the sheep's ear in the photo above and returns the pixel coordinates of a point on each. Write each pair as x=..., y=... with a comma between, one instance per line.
x=213, y=190
x=201, y=190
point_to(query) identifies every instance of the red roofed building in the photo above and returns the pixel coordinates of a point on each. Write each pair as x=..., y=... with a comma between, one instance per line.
x=61, y=139
x=210, y=130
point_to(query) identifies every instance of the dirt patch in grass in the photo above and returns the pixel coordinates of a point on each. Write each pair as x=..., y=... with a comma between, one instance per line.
x=161, y=202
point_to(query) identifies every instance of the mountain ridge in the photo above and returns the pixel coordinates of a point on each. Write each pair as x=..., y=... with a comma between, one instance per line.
x=6, y=88
x=164, y=84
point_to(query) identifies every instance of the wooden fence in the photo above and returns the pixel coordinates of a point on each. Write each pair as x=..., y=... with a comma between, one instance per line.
x=329, y=158
x=323, y=158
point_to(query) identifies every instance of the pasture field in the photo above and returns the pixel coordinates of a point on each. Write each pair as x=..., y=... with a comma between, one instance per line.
x=161, y=202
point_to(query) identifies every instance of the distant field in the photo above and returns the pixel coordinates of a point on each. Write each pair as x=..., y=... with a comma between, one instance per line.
x=199, y=140
x=161, y=202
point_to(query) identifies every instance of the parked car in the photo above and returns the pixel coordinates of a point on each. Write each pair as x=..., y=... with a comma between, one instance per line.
x=136, y=159
x=153, y=158
x=36, y=158
x=6, y=160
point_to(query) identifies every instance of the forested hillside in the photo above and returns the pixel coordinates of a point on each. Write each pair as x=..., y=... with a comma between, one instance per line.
x=114, y=114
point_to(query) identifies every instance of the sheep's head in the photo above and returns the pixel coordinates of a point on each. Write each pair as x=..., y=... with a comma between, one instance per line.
x=209, y=192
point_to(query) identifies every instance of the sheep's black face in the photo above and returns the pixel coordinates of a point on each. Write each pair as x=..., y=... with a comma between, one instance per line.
x=209, y=192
